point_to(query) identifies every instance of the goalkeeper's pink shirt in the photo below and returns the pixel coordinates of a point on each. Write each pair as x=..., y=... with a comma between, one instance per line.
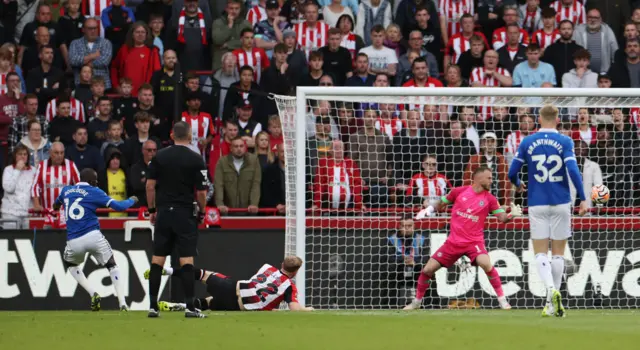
x=469, y=212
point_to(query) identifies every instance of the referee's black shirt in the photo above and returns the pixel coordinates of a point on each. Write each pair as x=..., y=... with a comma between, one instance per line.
x=178, y=172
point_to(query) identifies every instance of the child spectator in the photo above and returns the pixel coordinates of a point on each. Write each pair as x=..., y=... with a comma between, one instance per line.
x=82, y=91
x=114, y=137
x=113, y=180
x=99, y=125
x=97, y=91
x=125, y=105
x=274, y=127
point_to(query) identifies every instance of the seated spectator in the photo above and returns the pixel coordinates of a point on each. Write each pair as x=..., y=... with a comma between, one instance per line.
x=630, y=32
x=591, y=171
x=350, y=41
x=406, y=16
x=91, y=50
x=501, y=123
x=599, y=39
x=347, y=121
x=626, y=73
x=29, y=37
x=382, y=80
x=268, y=31
x=263, y=150
x=461, y=42
x=137, y=176
x=17, y=180
x=249, y=55
x=237, y=179
x=137, y=59
x=393, y=40
x=222, y=147
x=318, y=146
x=371, y=13
x=560, y=54
x=63, y=126
x=581, y=76
x=454, y=150
x=116, y=21
x=533, y=73
x=156, y=24
x=336, y=59
x=530, y=17
x=431, y=36
x=97, y=87
x=113, y=138
x=133, y=145
x=333, y=11
x=585, y=131
x=6, y=62
x=279, y=78
x=526, y=127
x=274, y=127
x=238, y=91
x=450, y=14
x=45, y=80
x=31, y=57
x=321, y=109
x=11, y=103
x=371, y=150
x=293, y=11
x=124, y=106
x=273, y=193
x=421, y=78
x=501, y=36
x=389, y=122
x=201, y=123
x=409, y=145
x=513, y=52
x=98, y=127
x=326, y=80
x=52, y=175
x=192, y=41
x=361, y=75
x=296, y=58
x=491, y=158
x=469, y=118
x=226, y=31
x=572, y=10
x=453, y=77
x=82, y=91
x=113, y=179
x=248, y=128
x=415, y=49
x=71, y=24
x=19, y=125
x=36, y=144
x=490, y=75
x=488, y=17
x=259, y=12
x=160, y=124
x=548, y=34
x=316, y=63
x=83, y=154
x=76, y=108
x=427, y=187
x=311, y=34
x=337, y=183
x=473, y=57
x=222, y=79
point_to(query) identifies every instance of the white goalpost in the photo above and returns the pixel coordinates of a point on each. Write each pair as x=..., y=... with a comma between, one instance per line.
x=361, y=161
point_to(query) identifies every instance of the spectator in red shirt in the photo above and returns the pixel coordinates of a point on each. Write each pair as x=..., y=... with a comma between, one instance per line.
x=137, y=59
x=338, y=184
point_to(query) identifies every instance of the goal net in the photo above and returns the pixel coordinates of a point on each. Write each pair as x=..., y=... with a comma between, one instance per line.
x=360, y=163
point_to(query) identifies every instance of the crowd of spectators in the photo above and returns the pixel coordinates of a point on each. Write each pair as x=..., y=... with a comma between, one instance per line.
x=98, y=84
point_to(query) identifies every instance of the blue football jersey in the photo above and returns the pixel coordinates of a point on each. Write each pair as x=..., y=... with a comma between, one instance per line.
x=551, y=160
x=80, y=202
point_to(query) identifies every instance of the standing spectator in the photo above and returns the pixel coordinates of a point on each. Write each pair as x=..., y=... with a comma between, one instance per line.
x=137, y=59
x=116, y=21
x=501, y=35
x=37, y=145
x=492, y=159
x=490, y=75
x=278, y=79
x=201, y=123
x=548, y=34
x=268, y=32
x=263, y=151
x=460, y=42
x=371, y=13
x=222, y=79
x=599, y=39
x=240, y=91
x=165, y=81
x=192, y=41
x=334, y=10
x=571, y=10
x=451, y=12
x=31, y=57
x=99, y=126
x=526, y=126
x=530, y=17
x=133, y=145
x=409, y=145
x=581, y=76
x=52, y=175
x=453, y=150
x=533, y=73
x=560, y=54
x=17, y=179
x=45, y=80
x=248, y=55
x=311, y=34
x=137, y=176
x=513, y=52
x=19, y=126
x=615, y=12
x=113, y=137
x=473, y=57
x=336, y=59
x=501, y=124
x=91, y=50
x=160, y=122
x=83, y=154
x=71, y=24
x=427, y=186
x=237, y=179
x=337, y=184
x=421, y=78
x=225, y=32
x=350, y=41
x=257, y=13
x=273, y=193
x=625, y=74
x=381, y=59
x=406, y=19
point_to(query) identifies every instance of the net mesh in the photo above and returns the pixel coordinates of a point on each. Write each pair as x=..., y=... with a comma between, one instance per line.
x=373, y=161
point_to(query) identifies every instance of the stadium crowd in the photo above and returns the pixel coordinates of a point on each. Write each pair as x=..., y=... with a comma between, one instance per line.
x=98, y=84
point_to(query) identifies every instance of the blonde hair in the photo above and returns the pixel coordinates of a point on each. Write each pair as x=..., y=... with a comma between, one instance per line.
x=270, y=156
x=291, y=263
x=549, y=113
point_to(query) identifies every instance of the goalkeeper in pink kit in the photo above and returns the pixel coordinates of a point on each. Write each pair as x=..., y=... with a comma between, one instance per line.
x=471, y=206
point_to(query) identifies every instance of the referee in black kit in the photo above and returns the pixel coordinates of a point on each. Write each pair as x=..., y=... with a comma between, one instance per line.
x=175, y=173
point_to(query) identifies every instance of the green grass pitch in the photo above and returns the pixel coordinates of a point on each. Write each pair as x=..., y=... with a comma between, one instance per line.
x=470, y=329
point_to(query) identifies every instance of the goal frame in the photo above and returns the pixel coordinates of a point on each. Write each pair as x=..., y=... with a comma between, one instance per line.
x=303, y=93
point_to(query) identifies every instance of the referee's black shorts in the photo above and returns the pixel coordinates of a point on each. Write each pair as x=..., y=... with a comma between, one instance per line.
x=176, y=228
x=223, y=293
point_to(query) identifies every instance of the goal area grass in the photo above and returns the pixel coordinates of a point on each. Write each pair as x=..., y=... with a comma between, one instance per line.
x=425, y=329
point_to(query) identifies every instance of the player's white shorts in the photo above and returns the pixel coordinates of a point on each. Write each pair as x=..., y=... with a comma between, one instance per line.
x=550, y=221
x=93, y=243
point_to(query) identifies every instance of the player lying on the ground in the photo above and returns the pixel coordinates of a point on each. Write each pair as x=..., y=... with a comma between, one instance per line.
x=471, y=206
x=83, y=232
x=262, y=292
x=549, y=197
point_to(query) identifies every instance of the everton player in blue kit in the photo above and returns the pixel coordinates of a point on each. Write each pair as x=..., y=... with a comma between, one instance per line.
x=83, y=232
x=550, y=158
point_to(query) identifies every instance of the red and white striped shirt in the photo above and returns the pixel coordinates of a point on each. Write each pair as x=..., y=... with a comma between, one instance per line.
x=201, y=128
x=94, y=8
x=430, y=83
x=256, y=14
x=429, y=188
x=3, y=83
x=575, y=12
x=478, y=75
x=311, y=38
x=256, y=59
x=634, y=118
x=266, y=290
x=349, y=43
x=452, y=10
x=51, y=179
x=337, y=182
x=512, y=143
x=389, y=127
x=545, y=39
x=458, y=44
x=590, y=137
x=532, y=21
x=77, y=110
x=500, y=37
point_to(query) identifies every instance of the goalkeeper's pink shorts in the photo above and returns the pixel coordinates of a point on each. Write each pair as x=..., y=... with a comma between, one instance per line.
x=449, y=252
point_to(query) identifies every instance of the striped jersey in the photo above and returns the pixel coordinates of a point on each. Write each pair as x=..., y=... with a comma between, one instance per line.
x=478, y=76
x=428, y=188
x=266, y=290
x=389, y=127
x=512, y=143
x=51, y=179
x=500, y=37
x=590, y=136
x=430, y=83
x=452, y=11
x=349, y=43
x=575, y=12
x=256, y=59
x=458, y=45
x=256, y=14
x=3, y=83
x=545, y=39
x=634, y=118
x=532, y=21
x=201, y=127
x=93, y=9
x=77, y=110
x=311, y=38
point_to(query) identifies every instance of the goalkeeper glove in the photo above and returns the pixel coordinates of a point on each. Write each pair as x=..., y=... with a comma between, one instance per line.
x=516, y=211
x=428, y=211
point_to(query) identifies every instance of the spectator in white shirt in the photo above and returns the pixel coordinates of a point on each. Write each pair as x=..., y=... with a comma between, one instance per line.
x=381, y=59
x=17, y=179
x=333, y=11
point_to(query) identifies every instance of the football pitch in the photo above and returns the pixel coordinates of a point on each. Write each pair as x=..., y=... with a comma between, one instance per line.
x=451, y=329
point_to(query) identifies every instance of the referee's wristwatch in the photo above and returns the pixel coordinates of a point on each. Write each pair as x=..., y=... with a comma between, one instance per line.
x=151, y=210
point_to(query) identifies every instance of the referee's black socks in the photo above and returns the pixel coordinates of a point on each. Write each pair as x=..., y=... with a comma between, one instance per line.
x=201, y=303
x=187, y=274
x=155, y=275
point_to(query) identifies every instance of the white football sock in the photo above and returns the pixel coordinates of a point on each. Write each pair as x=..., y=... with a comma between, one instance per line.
x=168, y=271
x=544, y=270
x=79, y=276
x=557, y=270
x=117, y=283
